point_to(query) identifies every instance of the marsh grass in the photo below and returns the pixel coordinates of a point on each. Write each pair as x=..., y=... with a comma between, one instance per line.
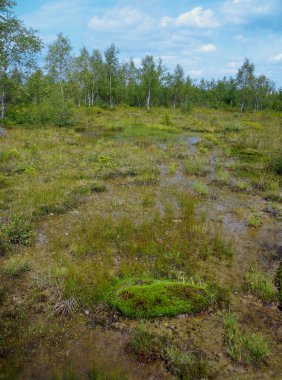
x=195, y=166
x=260, y=284
x=16, y=266
x=191, y=365
x=243, y=347
x=200, y=188
x=254, y=221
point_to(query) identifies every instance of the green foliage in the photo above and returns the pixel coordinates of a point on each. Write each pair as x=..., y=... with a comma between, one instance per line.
x=156, y=298
x=52, y=111
x=18, y=230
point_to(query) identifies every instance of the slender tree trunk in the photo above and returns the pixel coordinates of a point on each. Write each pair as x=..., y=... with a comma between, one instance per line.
x=2, y=103
x=111, y=93
x=148, y=100
x=243, y=104
x=62, y=90
x=174, y=101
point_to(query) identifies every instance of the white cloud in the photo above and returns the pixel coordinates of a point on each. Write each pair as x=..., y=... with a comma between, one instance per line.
x=198, y=17
x=196, y=73
x=239, y=11
x=233, y=65
x=209, y=48
x=119, y=18
x=276, y=58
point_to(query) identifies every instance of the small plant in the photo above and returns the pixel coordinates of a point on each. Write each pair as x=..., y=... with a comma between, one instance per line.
x=18, y=230
x=166, y=120
x=16, y=266
x=200, y=188
x=260, y=284
x=254, y=221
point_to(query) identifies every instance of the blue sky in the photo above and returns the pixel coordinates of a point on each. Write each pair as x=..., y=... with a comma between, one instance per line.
x=208, y=38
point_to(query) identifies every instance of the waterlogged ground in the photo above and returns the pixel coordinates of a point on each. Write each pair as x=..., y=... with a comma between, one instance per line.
x=128, y=196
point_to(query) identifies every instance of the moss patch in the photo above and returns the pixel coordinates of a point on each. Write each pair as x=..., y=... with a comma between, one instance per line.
x=145, y=299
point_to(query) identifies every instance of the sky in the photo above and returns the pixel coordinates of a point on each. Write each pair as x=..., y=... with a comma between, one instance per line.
x=209, y=39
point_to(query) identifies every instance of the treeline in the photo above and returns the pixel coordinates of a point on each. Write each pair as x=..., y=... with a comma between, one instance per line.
x=46, y=95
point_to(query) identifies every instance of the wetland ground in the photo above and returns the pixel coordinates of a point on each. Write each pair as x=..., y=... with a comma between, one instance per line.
x=142, y=245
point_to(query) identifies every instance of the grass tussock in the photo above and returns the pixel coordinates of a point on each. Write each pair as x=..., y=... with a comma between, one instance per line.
x=244, y=347
x=260, y=284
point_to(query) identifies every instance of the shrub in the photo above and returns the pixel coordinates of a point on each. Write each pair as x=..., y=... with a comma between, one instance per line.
x=230, y=127
x=18, y=230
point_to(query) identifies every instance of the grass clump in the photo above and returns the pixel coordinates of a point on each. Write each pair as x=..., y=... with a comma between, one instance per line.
x=195, y=166
x=254, y=221
x=222, y=176
x=260, y=284
x=200, y=188
x=231, y=127
x=242, y=347
x=185, y=365
x=157, y=298
x=18, y=230
x=16, y=266
x=143, y=345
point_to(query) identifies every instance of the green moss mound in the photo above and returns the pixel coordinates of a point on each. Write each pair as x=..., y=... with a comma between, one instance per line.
x=146, y=299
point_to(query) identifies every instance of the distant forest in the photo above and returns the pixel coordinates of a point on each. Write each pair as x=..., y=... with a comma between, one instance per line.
x=47, y=94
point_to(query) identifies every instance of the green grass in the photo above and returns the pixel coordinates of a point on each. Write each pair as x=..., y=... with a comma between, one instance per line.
x=195, y=166
x=254, y=221
x=157, y=298
x=260, y=284
x=200, y=188
x=16, y=266
x=243, y=347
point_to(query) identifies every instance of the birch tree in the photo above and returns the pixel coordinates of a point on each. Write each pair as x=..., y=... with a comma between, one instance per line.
x=58, y=61
x=18, y=48
x=111, y=69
